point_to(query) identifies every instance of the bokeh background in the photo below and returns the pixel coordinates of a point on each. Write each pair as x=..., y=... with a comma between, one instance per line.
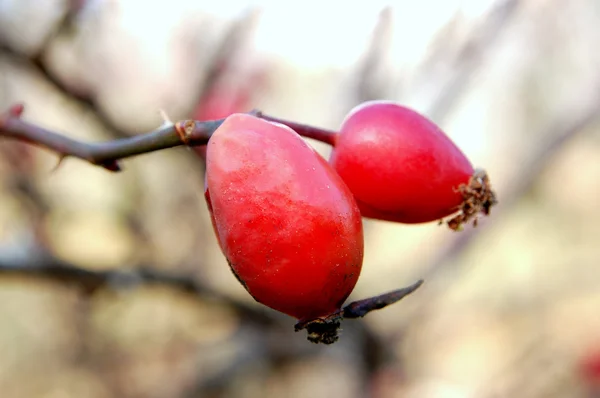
x=112, y=284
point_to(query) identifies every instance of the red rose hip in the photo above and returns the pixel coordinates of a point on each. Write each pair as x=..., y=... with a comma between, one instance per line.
x=401, y=167
x=286, y=222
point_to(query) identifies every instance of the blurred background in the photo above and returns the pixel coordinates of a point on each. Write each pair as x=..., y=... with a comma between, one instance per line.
x=112, y=284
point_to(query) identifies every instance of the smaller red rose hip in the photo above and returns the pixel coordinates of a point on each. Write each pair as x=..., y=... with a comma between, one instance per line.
x=401, y=167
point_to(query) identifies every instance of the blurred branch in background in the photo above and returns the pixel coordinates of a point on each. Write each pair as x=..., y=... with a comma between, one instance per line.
x=464, y=62
x=63, y=26
x=36, y=262
x=234, y=73
x=373, y=74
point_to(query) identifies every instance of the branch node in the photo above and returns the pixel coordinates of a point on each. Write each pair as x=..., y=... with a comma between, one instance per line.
x=185, y=129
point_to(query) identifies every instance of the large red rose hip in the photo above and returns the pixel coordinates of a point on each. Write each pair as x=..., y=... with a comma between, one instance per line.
x=287, y=223
x=401, y=167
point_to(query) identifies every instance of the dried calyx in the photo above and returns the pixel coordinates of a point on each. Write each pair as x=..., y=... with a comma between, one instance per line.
x=325, y=330
x=478, y=198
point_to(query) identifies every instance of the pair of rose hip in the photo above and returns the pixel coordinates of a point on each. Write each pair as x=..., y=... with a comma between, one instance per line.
x=289, y=222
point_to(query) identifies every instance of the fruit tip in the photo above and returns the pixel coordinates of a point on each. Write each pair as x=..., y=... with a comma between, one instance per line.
x=478, y=198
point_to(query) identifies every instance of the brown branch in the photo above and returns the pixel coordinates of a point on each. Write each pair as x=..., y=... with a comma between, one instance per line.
x=106, y=154
x=316, y=133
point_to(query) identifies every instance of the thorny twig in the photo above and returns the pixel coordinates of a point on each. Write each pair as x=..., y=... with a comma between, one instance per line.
x=106, y=154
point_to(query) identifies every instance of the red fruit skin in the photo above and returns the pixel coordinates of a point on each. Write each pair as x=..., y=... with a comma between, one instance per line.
x=398, y=164
x=286, y=222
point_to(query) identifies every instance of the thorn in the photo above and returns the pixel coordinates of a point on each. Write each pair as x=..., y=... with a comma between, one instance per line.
x=255, y=113
x=61, y=158
x=16, y=110
x=111, y=165
x=165, y=118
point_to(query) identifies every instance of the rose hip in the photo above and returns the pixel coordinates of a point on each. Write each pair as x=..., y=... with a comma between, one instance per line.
x=401, y=167
x=286, y=222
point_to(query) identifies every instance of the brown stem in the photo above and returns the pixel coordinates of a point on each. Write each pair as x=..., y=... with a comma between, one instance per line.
x=316, y=133
x=107, y=154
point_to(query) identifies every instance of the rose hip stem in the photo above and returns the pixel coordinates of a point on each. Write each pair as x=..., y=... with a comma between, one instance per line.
x=316, y=133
